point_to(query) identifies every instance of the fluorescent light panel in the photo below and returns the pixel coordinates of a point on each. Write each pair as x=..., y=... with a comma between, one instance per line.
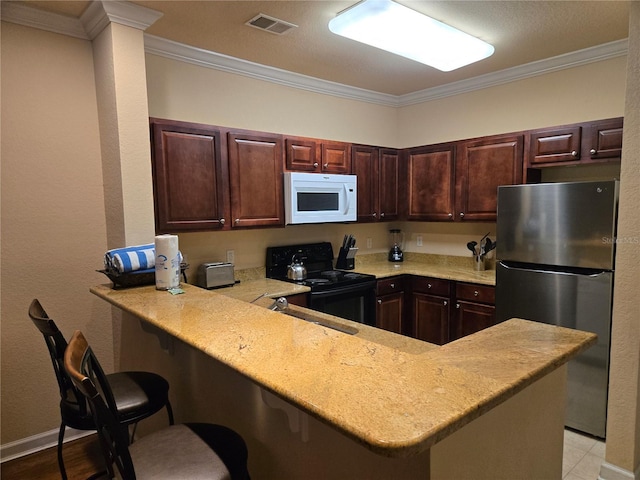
x=392, y=27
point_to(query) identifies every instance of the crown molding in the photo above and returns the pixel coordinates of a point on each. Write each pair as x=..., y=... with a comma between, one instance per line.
x=100, y=13
x=97, y=16
x=22, y=14
x=541, y=67
x=217, y=61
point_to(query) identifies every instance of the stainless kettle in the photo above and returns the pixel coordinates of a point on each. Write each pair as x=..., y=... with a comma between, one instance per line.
x=296, y=271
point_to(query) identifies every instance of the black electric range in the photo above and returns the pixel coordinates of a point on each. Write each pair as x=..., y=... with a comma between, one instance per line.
x=341, y=293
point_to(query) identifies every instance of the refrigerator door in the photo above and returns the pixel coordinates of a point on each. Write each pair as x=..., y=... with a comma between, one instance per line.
x=564, y=224
x=569, y=300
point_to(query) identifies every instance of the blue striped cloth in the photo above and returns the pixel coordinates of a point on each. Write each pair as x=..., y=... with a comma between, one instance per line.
x=131, y=259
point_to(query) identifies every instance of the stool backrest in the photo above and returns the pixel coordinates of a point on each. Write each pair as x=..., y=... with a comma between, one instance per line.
x=88, y=377
x=57, y=345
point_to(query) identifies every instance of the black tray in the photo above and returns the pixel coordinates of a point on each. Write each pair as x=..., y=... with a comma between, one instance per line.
x=138, y=278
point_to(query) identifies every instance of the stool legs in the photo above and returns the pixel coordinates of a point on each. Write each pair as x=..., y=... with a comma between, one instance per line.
x=63, y=472
x=170, y=413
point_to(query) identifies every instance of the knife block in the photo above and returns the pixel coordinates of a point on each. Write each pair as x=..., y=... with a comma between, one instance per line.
x=346, y=258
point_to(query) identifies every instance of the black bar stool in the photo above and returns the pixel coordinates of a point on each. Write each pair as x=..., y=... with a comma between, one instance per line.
x=191, y=450
x=137, y=395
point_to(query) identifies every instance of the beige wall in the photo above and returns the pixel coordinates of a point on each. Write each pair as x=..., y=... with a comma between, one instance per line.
x=592, y=91
x=623, y=427
x=53, y=224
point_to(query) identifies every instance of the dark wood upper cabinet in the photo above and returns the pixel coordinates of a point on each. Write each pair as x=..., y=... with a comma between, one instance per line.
x=303, y=154
x=605, y=139
x=377, y=170
x=190, y=176
x=482, y=165
x=256, y=180
x=575, y=144
x=429, y=183
x=336, y=157
x=317, y=156
x=555, y=145
x=364, y=164
x=388, y=184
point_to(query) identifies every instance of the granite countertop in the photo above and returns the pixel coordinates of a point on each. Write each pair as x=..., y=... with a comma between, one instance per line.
x=449, y=268
x=395, y=395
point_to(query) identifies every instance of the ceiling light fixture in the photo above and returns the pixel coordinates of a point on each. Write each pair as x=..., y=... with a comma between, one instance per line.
x=395, y=28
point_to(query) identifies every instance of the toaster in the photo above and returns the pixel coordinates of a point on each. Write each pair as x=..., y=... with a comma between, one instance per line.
x=215, y=274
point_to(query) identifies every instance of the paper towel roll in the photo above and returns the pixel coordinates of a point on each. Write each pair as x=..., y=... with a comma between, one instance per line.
x=167, y=262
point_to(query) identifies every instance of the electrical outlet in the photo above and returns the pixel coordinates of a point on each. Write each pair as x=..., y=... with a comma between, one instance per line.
x=419, y=240
x=368, y=243
x=231, y=256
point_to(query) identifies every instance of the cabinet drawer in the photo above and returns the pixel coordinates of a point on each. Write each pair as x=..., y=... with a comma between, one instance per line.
x=433, y=286
x=390, y=285
x=476, y=293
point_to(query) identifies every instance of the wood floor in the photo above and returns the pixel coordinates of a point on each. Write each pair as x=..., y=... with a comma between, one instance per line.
x=82, y=459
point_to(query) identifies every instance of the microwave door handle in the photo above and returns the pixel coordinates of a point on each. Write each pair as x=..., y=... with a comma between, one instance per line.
x=347, y=199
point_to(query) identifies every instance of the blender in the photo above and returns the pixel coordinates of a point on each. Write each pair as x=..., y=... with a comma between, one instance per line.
x=396, y=240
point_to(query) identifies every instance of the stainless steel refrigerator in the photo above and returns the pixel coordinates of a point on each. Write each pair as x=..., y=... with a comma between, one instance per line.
x=556, y=251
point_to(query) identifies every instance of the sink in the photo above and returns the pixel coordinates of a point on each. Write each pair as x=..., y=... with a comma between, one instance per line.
x=322, y=322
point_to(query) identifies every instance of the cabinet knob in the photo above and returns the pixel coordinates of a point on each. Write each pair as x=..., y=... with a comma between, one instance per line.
x=428, y=285
x=382, y=215
x=451, y=215
x=457, y=305
x=222, y=220
x=574, y=153
x=379, y=302
x=475, y=293
x=237, y=220
x=315, y=164
x=392, y=285
x=326, y=165
x=593, y=151
x=461, y=214
x=374, y=214
x=444, y=303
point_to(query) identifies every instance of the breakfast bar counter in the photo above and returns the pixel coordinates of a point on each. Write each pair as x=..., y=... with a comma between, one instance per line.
x=389, y=396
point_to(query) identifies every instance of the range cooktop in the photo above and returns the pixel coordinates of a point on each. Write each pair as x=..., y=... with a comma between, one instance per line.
x=318, y=260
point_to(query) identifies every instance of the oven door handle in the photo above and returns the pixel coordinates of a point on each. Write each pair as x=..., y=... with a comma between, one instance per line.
x=358, y=288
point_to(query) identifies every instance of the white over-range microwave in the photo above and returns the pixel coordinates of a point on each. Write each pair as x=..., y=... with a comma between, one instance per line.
x=319, y=198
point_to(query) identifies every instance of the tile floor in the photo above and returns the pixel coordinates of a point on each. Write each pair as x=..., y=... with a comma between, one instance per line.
x=582, y=457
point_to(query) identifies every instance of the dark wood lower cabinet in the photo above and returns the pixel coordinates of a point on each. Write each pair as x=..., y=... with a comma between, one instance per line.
x=470, y=318
x=390, y=312
x=390, y=304
x=422, y=307
x=431, y=318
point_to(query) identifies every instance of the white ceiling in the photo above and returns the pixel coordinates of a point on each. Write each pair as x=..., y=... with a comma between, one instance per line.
x=522, y=32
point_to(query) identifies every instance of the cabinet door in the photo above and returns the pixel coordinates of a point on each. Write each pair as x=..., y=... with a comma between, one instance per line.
x=190, y=177
x=256, y=180
x=471, y=317
x=390, y=312
x=336, y=157
x=388, y=183
x=605, y=139
x=365, y=166
x=553, y=145
x=430, y=183
x=303, y=154
x=483, y=165
x=430, y=316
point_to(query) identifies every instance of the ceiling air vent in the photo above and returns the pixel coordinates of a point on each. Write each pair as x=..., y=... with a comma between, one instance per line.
x=270, y=24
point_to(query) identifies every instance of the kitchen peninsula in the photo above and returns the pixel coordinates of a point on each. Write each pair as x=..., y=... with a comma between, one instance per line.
x=490, y=404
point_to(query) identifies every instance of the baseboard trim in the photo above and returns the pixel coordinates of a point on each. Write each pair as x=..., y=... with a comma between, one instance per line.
x=36, y=443
x=612, y=472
